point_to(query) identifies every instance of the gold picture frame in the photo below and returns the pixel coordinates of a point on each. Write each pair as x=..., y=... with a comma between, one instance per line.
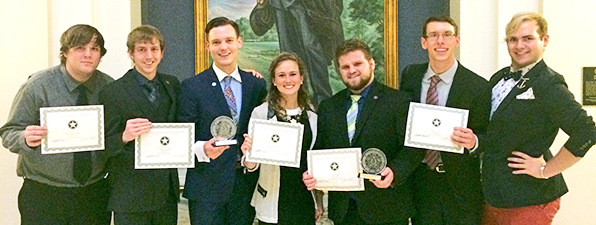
x=391, y=34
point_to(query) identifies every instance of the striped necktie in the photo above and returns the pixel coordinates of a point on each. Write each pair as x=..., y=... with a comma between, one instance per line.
x=432, y=157
x=351, y=116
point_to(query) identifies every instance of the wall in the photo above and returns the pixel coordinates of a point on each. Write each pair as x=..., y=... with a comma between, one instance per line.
x=571, y=24
x=30, y=42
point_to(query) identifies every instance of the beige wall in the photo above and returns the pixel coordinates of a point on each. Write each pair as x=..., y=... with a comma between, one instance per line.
x=571, y=30
x=30, y=42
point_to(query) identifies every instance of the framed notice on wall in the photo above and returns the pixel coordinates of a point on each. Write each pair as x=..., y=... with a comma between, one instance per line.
x=589, y=86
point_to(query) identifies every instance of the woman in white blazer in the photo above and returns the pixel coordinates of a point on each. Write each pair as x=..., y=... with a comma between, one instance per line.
x=280, y=196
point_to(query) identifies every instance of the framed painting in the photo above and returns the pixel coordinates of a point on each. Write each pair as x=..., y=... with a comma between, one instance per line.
x=376, y=24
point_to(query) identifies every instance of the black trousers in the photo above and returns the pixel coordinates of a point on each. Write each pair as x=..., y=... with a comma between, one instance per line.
x=353, y=217
x=49, y=205
x=165, y=216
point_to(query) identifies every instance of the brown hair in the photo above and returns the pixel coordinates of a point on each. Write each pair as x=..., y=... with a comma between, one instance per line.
x=350, y=46
x=144, y=33
x=80, y=35
x=218, y=22
x=445, y=19
x=274, y=97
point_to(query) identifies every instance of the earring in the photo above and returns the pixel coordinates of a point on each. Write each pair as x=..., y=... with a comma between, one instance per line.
x=274, y=84
x=301, y=82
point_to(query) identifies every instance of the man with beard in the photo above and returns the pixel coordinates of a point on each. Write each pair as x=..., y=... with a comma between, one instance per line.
x=380, y=114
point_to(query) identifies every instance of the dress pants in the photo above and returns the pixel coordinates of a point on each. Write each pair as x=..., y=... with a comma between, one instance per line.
x=353, y=217
x=236, y=211
x=44, y=204
x=535, y=215
x=165, y=216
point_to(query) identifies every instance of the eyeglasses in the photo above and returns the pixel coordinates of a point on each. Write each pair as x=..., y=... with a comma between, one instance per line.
x=448, y=36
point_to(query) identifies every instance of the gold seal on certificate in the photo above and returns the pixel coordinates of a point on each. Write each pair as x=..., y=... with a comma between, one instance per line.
x=223, y=128
x=373, y=162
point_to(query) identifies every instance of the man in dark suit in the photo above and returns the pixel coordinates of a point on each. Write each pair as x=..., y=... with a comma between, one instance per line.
x=522, y=181
x=447, y=187
x=381, y=114
x=218, y=189
x=140, y=196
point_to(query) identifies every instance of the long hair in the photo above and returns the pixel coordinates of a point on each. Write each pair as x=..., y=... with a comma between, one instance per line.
x=274, y=98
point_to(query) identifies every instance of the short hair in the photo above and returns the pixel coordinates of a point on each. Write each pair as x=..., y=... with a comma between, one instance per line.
x=274, y=97
x=352, y=45
x=445, y=19
x=522, y=17
x=80, y=35
x=144, y=33
x=218, y=22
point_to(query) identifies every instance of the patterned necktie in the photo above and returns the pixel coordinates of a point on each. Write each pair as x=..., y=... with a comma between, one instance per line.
x=151, y=87
x=351, y=116
x=512, y=75
x=432, y=157
x=230, y=96
x=82, y=160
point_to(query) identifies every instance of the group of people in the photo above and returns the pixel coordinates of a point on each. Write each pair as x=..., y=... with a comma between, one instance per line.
x=507, y=174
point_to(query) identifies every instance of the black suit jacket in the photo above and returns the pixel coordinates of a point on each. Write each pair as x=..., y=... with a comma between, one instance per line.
x=201, y=101
x=135, y=190
x=462, y=171
x=529, y=123
x=381, y=124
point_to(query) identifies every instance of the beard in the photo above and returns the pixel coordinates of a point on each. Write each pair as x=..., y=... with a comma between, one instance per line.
x=358, y=85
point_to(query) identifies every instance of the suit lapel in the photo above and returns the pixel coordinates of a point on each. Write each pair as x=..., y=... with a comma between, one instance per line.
x=137, y=94
x=417, y=87
x=218, y=96
x=369, y=106
x=527, y=82
x=245, y=106
x=171, y=93
x=456, y=92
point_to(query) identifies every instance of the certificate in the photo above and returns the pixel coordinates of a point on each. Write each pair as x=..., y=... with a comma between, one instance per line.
x=336, y=169
x=166, y=145
x=276, y=143
x=72, y=129
x=431, y=126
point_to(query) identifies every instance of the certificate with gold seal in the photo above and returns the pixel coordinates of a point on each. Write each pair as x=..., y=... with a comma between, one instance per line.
x=72, y=129
x=275, y=143
x=431, y=126
x=166, y=145
x=336, y=169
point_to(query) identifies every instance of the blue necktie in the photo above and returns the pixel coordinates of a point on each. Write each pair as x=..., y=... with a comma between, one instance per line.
x=230, y=99
x=351, y=116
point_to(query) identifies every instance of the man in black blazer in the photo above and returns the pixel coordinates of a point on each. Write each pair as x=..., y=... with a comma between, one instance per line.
x=132, y=103
x=218, y=189
x=449, y=193
x=522, y=181
x=380, y=123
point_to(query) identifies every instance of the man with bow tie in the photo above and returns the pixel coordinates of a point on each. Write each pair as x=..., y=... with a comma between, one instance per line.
x=522, y=181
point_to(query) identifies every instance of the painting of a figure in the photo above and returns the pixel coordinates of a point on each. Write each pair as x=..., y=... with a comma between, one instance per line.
x=310, y=28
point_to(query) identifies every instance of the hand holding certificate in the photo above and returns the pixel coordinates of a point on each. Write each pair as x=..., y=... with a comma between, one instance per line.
x=166, y=145
x=336, y=169
x=72, y=129
x=275, y=143
x=430, y=127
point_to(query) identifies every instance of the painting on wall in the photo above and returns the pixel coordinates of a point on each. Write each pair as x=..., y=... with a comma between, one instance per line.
x=312, y=29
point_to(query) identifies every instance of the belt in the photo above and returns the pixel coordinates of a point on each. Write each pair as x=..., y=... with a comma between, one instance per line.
x=440, y=168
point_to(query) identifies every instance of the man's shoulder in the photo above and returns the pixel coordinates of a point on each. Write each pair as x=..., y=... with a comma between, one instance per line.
x=168, y=78
x=207, y=75
x=44, y=75
x=103, y=77
x=249, y=78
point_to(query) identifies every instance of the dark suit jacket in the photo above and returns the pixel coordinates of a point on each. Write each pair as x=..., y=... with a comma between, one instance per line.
x=135, y=190
x=201, y=101
x=462, y=171
x=381, y=124
x=530, y=125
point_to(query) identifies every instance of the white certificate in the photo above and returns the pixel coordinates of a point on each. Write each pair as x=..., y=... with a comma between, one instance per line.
x=276, y=143
x=336, y=169
x=166, y=145
x=431, y=126
x=72, y=129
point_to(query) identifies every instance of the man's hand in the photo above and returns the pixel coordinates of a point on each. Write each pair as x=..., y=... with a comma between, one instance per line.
x=385, y=182
x=134, y=128
x=254, y=73
x=309, y=181
x=463, y=137
x=213, y=151
x=521, y=163
x=33, y=135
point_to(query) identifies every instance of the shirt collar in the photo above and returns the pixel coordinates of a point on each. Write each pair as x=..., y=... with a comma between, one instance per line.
x=446, y=76
x=142, y=80
x=364, y=92
x=221, y=74
x=527, y=68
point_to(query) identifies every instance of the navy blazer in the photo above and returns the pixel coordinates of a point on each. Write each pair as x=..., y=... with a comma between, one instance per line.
x=135, y=190
x=381, y=124
x=200, y=101
x=462, y=171
x=529, y=123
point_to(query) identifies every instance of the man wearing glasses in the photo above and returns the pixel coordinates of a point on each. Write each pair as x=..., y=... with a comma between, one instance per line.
x=447, y=185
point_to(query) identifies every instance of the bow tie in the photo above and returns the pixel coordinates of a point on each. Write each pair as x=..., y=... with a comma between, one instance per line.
x=515, y=75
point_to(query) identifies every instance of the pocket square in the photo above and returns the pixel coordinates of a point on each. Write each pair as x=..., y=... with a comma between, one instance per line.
x=528, y=94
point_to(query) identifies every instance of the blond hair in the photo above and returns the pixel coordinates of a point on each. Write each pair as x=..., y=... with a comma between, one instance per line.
x=522, y=17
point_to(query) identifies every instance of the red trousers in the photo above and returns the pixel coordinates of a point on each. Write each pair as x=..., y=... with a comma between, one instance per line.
x=536, y=214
